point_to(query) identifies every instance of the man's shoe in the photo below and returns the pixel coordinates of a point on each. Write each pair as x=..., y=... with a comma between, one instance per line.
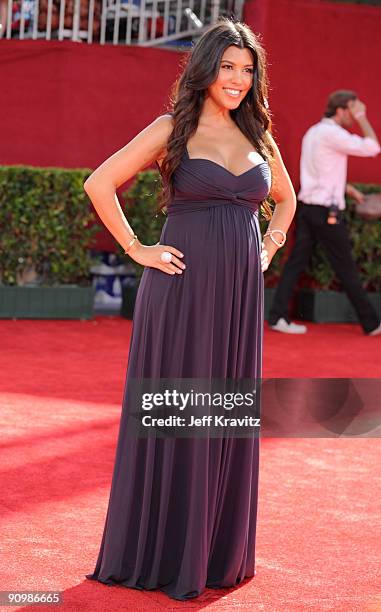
x=376, y=331
x=287, y=327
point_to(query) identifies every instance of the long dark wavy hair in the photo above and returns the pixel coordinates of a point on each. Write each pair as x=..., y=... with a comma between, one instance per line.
x=188, y=93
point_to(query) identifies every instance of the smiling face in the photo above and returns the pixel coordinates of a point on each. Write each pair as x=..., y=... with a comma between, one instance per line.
x=235, y=78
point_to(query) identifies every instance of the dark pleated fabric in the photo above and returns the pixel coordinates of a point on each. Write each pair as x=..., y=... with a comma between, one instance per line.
x=182, y=512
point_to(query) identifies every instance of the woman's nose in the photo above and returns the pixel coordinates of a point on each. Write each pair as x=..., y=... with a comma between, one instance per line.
x=237, y=76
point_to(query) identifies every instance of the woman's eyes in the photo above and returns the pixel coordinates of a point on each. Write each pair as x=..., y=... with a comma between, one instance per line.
x=249, y=70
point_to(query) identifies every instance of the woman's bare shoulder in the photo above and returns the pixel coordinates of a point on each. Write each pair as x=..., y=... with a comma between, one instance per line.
x=166, y=118
x=165, y=124
x=157, y=132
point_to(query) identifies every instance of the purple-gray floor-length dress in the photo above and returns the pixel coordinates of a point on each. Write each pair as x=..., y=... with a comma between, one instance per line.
x=182, y=512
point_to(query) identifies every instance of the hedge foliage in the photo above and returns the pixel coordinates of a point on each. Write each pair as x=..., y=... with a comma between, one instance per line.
x=46, y=222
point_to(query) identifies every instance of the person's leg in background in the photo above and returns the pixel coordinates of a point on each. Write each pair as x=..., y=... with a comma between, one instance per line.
x=335, y=239
x=296, y=263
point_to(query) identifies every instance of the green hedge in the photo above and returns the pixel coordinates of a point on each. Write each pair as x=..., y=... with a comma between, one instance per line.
x=140, y=209
x=46, y=221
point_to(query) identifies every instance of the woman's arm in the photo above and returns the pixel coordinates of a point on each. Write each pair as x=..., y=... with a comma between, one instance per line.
x=102, y=184
x=283, y=194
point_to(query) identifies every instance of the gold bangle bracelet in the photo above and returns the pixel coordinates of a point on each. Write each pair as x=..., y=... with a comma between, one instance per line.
x=130, y=245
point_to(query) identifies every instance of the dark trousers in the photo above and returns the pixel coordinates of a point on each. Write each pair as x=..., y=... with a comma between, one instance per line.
x=311, y=226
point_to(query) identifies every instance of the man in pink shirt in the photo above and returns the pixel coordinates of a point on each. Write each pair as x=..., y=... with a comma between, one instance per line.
x=323, y=176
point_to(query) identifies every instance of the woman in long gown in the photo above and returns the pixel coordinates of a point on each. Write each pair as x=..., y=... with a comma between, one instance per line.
x=182, y=511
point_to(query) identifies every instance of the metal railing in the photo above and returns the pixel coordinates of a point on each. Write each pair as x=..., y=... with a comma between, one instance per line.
x=142, y=22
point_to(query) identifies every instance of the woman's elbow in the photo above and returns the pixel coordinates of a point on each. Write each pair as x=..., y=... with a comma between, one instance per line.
x=96, y=183
x=89, y=184
x=288, y=199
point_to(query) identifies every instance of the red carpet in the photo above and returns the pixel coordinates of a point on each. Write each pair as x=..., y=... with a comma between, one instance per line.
x=319, y=526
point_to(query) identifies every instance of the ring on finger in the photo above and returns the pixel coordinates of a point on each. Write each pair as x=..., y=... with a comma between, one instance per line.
x=166, y=257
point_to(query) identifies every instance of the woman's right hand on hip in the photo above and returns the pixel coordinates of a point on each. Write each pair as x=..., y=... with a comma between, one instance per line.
x=150, y=256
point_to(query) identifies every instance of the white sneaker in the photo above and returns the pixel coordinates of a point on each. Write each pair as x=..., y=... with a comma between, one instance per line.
x=288, y=327
x=376, y=331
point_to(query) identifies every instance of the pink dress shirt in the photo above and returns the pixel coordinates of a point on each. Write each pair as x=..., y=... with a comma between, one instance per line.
x=323, y=163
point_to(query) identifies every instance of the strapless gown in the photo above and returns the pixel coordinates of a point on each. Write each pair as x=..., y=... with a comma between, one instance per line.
x=182, y=513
